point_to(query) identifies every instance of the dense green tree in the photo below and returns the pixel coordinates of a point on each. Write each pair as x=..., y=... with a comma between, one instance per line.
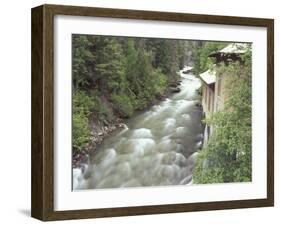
x=83, y=104
x=203, y=50
x=82, y=60
x=115, y=76
x=227, y=156
x=166, y=57
x=109, y=67
x=119, y=75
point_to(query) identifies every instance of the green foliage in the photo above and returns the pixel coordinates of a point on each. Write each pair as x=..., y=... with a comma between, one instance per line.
x=101, y=110
x=122, y=105
x=227, y=156
x=81, y=132
x=113, y=77
x=144, y=81
x=202, y=61
x=82, y=102
x=82, y=106
x=169, y=57
x=159, y=82
x=87, y=105
x=109, y=69
x=82, y=59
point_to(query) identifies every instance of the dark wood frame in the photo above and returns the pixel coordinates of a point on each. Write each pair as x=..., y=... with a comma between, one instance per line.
x=42, y=202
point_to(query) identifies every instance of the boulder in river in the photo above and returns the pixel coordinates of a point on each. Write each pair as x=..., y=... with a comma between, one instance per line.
x=175, y=90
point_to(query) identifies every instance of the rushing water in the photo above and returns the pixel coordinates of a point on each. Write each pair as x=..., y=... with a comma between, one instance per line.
x=158, y=147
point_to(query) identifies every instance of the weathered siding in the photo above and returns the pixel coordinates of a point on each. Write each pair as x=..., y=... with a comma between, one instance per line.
x=220, y=93
x=208, y=99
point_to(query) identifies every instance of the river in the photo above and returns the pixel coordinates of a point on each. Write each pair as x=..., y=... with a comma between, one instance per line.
x=158, y=147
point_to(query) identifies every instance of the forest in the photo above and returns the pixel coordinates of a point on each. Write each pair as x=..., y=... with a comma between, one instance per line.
x=114, y=78
x=227, y=157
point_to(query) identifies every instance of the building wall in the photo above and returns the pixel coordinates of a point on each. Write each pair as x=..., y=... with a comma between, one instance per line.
x=214, y=96
x=213, y=100
x=220, y=95
x=208, y=104
x=208, y=99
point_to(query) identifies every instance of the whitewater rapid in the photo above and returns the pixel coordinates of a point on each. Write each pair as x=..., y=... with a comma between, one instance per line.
x=157, y=148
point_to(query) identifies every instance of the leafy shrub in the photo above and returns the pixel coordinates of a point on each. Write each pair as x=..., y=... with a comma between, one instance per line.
x=82, y=107
x=227, y=156
x=81, y=132
x=102, y=110
x=159, y=81
x=82, y=103
x=122, y=105
x=202, y=61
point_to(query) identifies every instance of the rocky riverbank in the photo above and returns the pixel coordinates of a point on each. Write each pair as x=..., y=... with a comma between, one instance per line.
x=99, y=131
x=158, y=148
x=98, y=134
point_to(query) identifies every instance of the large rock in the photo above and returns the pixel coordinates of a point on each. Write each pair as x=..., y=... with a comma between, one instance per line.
x=175, y=90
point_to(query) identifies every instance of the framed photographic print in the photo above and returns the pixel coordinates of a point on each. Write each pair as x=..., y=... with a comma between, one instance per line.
x=141, y=112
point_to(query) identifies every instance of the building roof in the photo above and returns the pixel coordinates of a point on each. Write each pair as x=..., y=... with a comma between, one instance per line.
x=236, y=48
x=209, y=77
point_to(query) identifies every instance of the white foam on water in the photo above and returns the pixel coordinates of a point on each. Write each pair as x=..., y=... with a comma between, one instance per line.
x=152, y=153
x=109, y=158
x=183, y=106
x=181, y=132
x=142, y=133
x=169, y=122
x=125, y=129
x=186, y=180
x=77, y=177
x=186, y=117
x=199, y=144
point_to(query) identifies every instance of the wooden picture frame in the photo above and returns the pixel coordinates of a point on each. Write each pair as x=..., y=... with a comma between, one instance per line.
x=43, y=112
